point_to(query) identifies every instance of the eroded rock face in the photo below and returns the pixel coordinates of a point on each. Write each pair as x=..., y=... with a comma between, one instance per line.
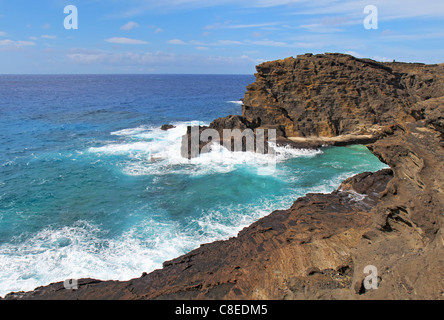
x=318, y=248
x=406, y=241
x=335, y=94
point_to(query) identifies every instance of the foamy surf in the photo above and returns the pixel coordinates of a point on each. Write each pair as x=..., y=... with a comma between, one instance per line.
x=84, y=250
x=154, y=151
x=238, y=102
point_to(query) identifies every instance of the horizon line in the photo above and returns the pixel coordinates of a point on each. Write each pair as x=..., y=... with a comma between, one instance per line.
x=126, y=74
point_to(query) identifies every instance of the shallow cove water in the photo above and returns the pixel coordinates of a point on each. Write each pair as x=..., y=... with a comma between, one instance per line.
x=91, y=187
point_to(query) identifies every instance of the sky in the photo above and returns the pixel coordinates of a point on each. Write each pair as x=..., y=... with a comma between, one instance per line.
x=210, y=36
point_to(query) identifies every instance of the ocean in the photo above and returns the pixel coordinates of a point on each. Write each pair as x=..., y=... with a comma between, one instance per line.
x=90, y=187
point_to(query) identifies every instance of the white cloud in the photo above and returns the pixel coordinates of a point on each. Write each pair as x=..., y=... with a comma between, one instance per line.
x=270, y=43
x=130, y=25
x=176, y=41
x=46, y=36
x=263, y=42
x=388, y=10
x=319, y=27
x=396, y=36
x=3, y=34
x=85, y=58
x=12, y=43
x=144, y=6
x=33, y=38
x=196, y=43
x=382, y=59
x=355, y=54
x=239, y=26
x=156, y=29
x=203, y=44
x=392, y=9
x=227, y=42
x=360, y=56
x=162, y=61
x=125, y=41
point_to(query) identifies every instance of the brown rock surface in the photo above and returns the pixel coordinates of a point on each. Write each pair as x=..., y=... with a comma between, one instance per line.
x=166, y=127
x=335, y=94
x=318, y=248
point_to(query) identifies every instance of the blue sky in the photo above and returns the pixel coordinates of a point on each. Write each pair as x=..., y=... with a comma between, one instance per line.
x=209, y=36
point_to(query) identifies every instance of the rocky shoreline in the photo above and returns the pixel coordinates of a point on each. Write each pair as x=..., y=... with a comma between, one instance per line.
x=318, y=248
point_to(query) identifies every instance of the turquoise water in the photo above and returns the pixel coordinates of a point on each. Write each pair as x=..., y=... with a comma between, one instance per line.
x=91, y=187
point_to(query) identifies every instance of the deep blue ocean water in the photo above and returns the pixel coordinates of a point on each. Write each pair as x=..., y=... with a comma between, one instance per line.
x=91, y=187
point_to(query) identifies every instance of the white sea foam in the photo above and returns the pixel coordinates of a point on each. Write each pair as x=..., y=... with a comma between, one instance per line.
x=356, y=197
x=84, y=250
x=152, y=151
x=285, y=152
x=332, y=184
x=130, y=131
x=9, y=163
x=239, y=102
x=122, y=148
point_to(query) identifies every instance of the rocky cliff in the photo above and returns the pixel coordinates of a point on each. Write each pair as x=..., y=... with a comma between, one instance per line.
x=318, y=248
x=335, y=99
x=335, y=94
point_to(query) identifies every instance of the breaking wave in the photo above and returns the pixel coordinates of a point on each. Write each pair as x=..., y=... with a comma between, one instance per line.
x=152, y=151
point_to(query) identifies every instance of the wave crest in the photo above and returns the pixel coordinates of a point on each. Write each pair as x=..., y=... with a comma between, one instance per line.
x=152, y=151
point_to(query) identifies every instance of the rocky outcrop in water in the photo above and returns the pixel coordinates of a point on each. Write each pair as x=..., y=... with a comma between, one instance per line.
x=335, y=99
x=166, y=127
x=318, y=248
